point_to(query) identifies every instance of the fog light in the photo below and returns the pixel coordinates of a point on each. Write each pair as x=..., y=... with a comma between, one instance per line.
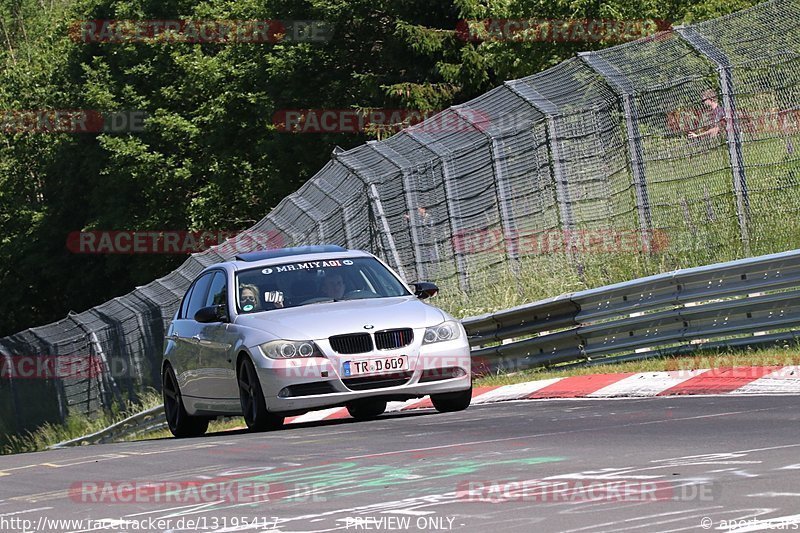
x=459, y=372
x=284, y=393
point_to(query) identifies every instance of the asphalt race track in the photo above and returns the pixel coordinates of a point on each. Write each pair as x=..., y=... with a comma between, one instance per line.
x=653, y=464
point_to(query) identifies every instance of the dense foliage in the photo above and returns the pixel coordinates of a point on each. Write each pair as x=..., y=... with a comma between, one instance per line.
x=210, y=157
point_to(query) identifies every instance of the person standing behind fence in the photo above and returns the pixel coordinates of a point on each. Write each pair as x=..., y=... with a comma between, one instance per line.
x=423, y=221
x=717, y=116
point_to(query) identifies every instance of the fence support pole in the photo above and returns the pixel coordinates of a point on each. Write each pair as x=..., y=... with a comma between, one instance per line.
x=550, y=111
x=624, y=88
x=500, y=181
x=330, y=192
x=733, y=136
x=402, y=164
x=298, y=201
x=426, y=141
x=375, y=199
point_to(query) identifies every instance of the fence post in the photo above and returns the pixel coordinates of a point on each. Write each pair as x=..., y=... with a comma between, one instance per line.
x=550, y=111
x=96, y=350
x=426, y=141
x=8, y=357
x=624, y=88
x=309, y=208
x=282, y=228
x=372, y=191
x=733, y=136
x=402, y=164
x=329, y=191
x=500, y=181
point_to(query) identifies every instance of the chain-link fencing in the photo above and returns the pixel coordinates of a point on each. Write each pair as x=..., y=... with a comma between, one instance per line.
x=676, y=150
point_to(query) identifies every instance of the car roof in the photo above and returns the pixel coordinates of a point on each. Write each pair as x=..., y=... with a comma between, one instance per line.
x=301, y=253
x=260, y=255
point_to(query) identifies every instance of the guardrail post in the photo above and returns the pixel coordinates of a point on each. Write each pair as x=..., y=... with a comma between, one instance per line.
x=375, y=199
x=402, y=164
x=733, y=137
x=624, y=88
x=426, y=141
x=550, y=111
x=500, y=182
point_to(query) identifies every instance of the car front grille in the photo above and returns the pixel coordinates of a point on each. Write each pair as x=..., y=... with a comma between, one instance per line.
x=351, y=343
x=394, y=338
x=378, y=382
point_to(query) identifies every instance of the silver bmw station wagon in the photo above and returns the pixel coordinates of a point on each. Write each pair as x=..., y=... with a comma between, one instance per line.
x=282, y=332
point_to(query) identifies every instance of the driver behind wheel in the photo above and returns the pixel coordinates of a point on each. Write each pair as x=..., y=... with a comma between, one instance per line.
x=333, y=286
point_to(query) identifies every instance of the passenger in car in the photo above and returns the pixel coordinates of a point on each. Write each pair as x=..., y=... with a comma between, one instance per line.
x=248, y=299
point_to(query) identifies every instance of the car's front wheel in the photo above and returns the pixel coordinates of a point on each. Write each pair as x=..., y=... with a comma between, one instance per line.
x=366, y=409
x=251, y=396
x=181, y=424
x=449, y=402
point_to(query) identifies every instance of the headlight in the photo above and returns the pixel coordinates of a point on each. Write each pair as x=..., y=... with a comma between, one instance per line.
x=446, y=331
x=288, y=349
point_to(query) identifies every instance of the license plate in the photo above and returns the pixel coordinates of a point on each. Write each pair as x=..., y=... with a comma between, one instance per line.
x=381, y=365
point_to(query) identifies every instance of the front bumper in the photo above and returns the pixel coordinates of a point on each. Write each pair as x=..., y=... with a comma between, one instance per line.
x=431, y=370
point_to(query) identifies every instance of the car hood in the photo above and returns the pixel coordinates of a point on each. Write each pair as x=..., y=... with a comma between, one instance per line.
x=322, y=320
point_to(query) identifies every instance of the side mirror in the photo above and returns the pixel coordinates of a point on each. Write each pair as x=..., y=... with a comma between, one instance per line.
x=212, y=313
x=425, y=289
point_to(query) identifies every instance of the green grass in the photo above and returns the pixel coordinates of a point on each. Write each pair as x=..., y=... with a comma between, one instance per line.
x=785, y=356
x=75, y=426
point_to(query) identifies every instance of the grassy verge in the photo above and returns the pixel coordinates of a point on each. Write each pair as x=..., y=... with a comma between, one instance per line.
x=789, y=355
x=75, y=426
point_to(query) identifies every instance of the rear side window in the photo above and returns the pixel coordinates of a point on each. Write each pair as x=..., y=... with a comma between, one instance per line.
x=185, y=303
x=198, y=297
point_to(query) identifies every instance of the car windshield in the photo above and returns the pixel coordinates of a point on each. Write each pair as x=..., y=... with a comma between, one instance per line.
x=299, y=282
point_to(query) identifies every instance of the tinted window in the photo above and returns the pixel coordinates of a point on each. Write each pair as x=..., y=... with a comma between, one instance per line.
x=198, y=297
x=217, y=293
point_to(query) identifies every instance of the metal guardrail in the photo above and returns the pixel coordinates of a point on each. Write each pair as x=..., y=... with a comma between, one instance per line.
x=150, y=420
x=749, y=302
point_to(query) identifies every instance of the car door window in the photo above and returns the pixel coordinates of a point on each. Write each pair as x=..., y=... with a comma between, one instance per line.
x=198, y=296
x=217, y=294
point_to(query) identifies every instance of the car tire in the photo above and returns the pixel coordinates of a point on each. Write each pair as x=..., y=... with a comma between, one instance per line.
x=181, y=424
x=366, y=409
x=449, y=402
x=254, y=407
